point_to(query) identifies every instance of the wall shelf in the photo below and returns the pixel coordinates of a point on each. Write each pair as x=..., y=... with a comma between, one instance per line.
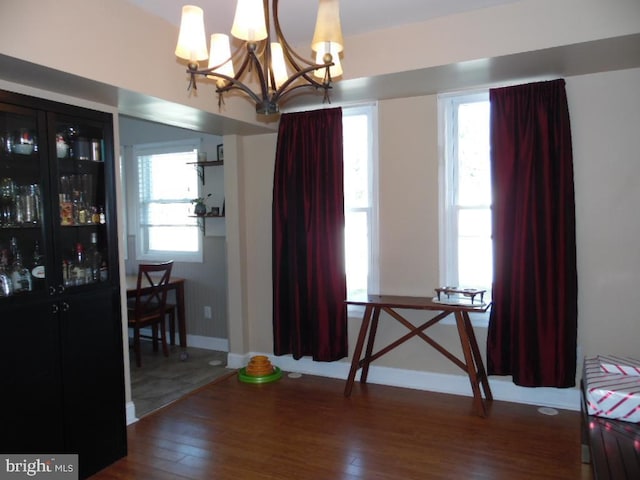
x=201, y=165
x=202, y=221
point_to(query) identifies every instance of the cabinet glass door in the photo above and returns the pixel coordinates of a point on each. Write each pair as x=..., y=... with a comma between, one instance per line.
x=23, y=247
x=80, y=182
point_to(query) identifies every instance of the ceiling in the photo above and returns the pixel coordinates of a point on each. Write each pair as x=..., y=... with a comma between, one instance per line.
x=297, y=17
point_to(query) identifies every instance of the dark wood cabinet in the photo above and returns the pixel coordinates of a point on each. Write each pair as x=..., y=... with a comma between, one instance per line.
x=62, y=359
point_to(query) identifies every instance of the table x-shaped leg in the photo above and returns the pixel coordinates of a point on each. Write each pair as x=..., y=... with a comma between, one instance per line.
x=474, y=365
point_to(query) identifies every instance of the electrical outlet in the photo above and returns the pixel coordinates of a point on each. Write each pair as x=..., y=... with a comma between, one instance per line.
x=207, y=312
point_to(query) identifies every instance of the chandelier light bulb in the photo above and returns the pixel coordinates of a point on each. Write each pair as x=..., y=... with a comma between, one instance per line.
x=278, y=65
x=249, y=22
x=192, y=42
x=220, y=57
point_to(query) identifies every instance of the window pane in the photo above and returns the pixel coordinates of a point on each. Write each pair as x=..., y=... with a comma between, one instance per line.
x=474, y=223
x=356, y=160
x=466, y=197
x=357, y=252
x=168, y=214
x=359, y=199
x=169, y=177
x=167, y=184
x=473, y=154
x=475, y=260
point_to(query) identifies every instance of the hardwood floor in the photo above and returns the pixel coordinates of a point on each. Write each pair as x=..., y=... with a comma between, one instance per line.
x=305, y=429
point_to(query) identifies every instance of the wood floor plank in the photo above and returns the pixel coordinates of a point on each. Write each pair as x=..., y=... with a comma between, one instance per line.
x=306, y=429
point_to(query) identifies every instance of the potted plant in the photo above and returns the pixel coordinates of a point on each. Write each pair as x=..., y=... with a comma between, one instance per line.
x=200, y=208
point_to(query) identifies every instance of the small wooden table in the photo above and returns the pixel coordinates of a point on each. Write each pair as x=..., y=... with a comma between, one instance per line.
x=177, y=285
x=374, y=304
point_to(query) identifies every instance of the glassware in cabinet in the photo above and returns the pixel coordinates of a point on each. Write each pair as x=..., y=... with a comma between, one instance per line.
x=81, y=198
x=23, y=246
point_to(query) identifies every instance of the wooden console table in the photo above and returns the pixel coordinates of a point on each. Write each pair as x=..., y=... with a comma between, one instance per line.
x=374, y=304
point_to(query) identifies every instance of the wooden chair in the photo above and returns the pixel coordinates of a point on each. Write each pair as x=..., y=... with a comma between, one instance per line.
x=170, y=310
x=148, y=308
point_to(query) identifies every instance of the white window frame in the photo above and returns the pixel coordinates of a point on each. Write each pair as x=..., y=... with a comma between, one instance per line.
x=142, y=252
x=448, y=181
x=371, y=210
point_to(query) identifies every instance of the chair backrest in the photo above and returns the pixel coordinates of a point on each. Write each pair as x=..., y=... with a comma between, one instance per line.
x=151, y=288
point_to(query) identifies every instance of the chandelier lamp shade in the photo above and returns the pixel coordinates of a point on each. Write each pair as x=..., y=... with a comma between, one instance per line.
x=264, y=66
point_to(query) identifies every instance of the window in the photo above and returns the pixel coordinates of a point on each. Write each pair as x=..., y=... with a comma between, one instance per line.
x=166, y=186
x=466, y=252
x=360, y=199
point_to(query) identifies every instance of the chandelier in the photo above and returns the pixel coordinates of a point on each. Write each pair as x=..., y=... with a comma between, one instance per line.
x=263, y=57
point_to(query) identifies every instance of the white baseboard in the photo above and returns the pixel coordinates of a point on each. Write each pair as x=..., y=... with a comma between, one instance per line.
x=131, y=413
x=502, y=388
x=196, y=341
x=208, y=343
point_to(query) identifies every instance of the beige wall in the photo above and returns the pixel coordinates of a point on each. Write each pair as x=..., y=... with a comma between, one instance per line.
x=605, y=123
x=114, y=43
x=408, y=195
x=482, y=34
x=605, y=116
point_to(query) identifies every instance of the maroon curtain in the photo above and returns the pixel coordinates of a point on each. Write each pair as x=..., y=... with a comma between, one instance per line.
x=533, y=323
x=309, y=281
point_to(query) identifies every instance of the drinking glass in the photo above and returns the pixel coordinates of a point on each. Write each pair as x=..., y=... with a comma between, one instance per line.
x=7, y=201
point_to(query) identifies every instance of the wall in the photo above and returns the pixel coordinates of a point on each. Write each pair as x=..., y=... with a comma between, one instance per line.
x=605, y=122
x=605, y=116
x=259, y=155
x=206, y=282
x=102, y=41
x=486, y=33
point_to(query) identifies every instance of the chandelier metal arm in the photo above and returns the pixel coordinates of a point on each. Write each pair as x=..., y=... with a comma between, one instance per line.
x=262, y=75
x=246, y=63
x=233, y=83
x=264, y=103
x=326, y=98
x=302, y=73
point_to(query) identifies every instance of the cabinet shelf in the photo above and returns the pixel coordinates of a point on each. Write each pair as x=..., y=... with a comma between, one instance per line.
x=82, y=225
x=201, y=165
x=20, y=226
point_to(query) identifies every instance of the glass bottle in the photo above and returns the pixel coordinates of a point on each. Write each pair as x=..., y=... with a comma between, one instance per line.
x=94, y=259
x=66, y=273
x=104, y=271
x=38, y=273
x=8, y=192
x=13, y=250
x=20, y=276
x=6, y=285
x=78, y=273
